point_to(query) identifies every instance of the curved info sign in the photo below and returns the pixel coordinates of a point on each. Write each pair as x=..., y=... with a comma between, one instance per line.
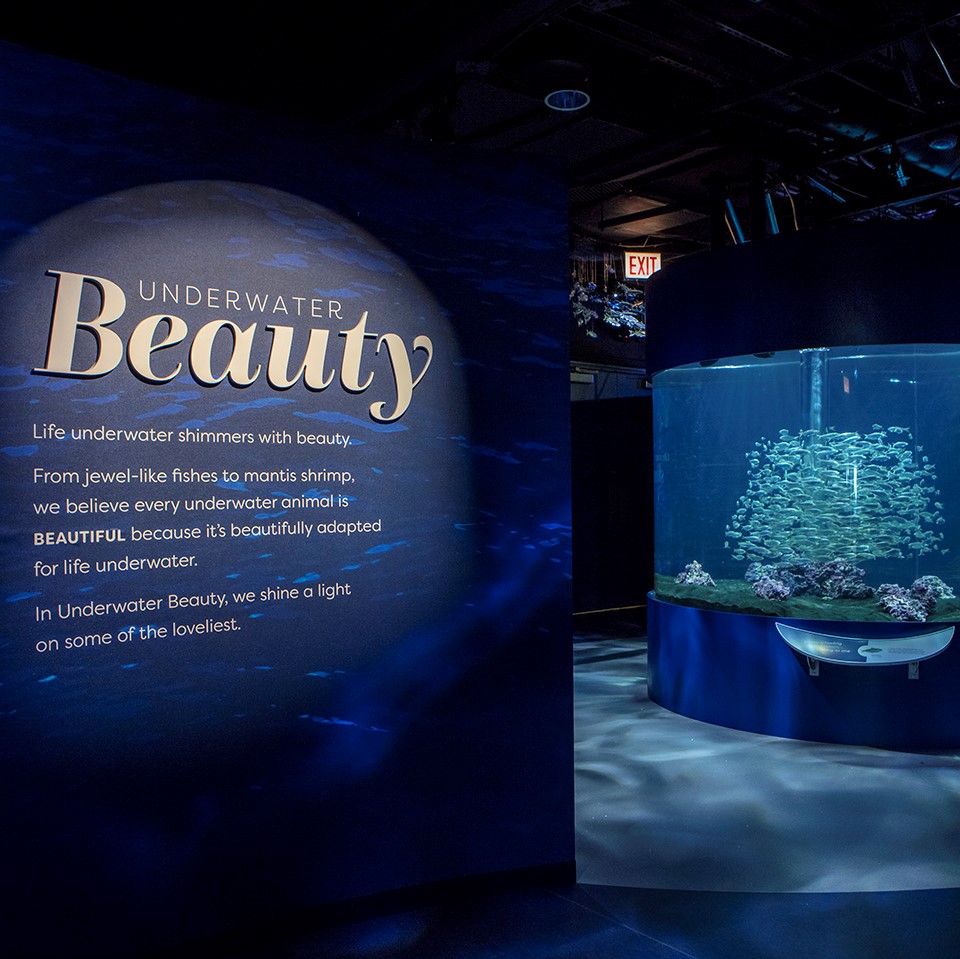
x=866, y=650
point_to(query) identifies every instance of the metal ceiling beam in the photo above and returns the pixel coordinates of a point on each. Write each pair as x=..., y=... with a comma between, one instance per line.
x=642, y=215
x=852, y=147
x=697, y=127
x=894, y=201
x=833, y=64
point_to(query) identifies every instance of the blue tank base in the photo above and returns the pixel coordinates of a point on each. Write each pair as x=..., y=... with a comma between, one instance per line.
x=736, y=670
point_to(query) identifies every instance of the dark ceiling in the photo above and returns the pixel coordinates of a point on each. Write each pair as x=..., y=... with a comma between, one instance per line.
x=710, y=121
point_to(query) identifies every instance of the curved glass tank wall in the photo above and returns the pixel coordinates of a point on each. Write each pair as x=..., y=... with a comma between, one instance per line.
x=819, y=484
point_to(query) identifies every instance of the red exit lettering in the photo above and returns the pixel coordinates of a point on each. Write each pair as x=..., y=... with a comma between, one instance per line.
x=639, y=266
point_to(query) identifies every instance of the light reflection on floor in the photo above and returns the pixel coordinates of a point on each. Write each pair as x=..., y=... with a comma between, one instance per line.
x=697, y=842
x=667, y=802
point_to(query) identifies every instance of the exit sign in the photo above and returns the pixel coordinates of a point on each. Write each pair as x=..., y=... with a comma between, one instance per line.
x=639, y=266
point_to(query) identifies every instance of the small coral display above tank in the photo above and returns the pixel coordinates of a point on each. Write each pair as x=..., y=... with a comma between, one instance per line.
x=813, y=483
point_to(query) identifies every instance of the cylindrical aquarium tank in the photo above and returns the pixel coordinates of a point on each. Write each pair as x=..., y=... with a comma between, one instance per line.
x=811, y=483
x=807, y=493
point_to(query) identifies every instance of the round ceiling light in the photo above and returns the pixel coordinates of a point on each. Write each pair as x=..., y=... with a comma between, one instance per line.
x=567, y=100
x=565, y=83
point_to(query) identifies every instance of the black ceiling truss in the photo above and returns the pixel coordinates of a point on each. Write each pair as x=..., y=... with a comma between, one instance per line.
x=709, y=122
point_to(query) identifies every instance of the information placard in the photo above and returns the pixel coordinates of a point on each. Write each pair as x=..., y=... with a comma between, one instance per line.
x=226, y=438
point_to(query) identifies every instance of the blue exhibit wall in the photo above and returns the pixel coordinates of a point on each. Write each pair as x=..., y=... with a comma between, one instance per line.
x=612, y=503
x=857, y=284
x=286, y=525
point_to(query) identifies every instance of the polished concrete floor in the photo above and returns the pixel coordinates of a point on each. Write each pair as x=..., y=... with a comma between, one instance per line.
x=703, y=842
x=667, y=802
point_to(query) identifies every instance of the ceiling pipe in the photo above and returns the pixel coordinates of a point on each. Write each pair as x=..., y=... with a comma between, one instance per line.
x=733, y=220
x=771, y=214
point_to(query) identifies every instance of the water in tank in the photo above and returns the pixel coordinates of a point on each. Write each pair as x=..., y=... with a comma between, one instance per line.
x=817, y=484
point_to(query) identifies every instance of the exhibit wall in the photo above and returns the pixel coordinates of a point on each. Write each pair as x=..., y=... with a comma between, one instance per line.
x=286, y=525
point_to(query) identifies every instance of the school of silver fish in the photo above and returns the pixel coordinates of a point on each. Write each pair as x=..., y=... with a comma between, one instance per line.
x=821, y=495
